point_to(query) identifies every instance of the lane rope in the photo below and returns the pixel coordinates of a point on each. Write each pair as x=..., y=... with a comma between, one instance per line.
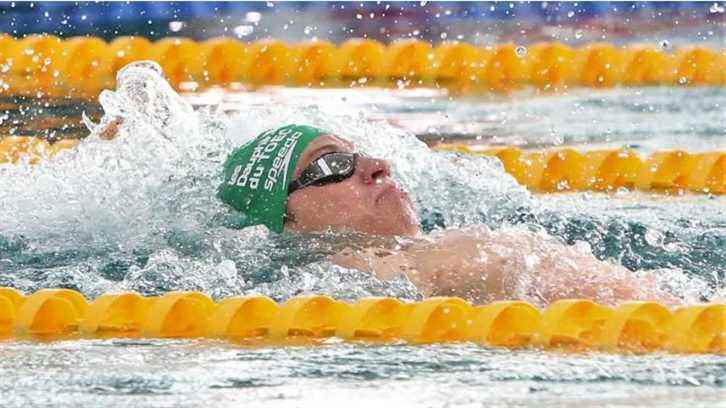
x=45, y=65
x=574, y=324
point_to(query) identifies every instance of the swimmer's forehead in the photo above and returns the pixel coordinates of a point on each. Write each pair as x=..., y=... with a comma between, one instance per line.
x=320, y=146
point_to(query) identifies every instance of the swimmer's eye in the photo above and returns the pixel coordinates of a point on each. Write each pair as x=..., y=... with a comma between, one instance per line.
x=328, y=168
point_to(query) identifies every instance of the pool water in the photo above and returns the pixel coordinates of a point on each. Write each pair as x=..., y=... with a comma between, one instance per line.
x=158, y=373
x=139, y=213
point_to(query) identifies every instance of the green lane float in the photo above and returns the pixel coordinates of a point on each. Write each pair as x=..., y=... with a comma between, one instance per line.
x=571, y=324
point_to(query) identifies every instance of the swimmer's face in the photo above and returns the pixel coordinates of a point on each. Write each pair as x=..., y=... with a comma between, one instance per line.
x=369, y=201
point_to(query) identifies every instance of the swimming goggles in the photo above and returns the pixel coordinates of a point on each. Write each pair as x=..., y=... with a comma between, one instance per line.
x=326, y=169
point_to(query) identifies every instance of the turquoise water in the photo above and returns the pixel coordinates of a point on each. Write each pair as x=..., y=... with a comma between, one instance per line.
x=139, y=213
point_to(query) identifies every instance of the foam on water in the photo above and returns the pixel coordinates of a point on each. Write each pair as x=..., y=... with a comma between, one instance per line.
x=139, y=212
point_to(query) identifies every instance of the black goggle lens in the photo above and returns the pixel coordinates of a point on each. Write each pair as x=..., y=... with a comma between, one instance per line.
x=326, y=169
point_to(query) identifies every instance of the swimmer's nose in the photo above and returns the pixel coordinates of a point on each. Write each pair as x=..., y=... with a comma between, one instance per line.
x=371, y=169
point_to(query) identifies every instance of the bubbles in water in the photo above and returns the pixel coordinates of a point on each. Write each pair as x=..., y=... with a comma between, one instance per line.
x=578, y=34
x=716, y=8
x=664, y=45
x=521, y=51
x=571, y=14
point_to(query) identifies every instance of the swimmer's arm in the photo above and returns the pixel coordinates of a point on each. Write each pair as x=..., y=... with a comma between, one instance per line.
x=484, y=266
x=435, y=271
x=520, y=264
x=384, y=264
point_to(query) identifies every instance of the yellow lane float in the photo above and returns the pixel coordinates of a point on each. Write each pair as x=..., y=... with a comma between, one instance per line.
x=552, y=66
x=308, y=317
x=649, y=66
x=506, y=69
x=44, y=65
x=7, y=45
x=224, y=60
x=243, y=317
x=409, y=60
x=36, y=67
x=177, y=315
x=460, y=66
x=504, y=324
x=50, y=312
x=437, y=320
x=636, y=326
x=13, y=149
x=700, y=66
x=611, y=169
x=115, y=315
x=601, y=65
x=708, y=175
x=374, y=319
x=10, y=302
x=698, y=329
x=270, y=62
x=361, y=60
x=570, y=324
x=565, y=169
x=666, y=170
x=316, y=64
x=86, y=63
x=126, y=49
x=180, y=60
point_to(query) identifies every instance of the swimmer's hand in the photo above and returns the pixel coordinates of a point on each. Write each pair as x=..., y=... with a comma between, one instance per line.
x=108, y=130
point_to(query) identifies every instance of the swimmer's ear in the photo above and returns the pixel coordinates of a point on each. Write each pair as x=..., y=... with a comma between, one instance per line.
x=288, y=219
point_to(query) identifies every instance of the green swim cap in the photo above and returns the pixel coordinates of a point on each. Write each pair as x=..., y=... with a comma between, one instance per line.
x=257, y=174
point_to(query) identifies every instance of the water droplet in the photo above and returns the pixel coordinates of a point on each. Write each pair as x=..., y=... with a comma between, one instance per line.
x=578, y=34
x=571, y=14
x=176, y=26
x=716, y=8
x=521, y=51
x=243, y=30
x=665, y=44
x=654, y=238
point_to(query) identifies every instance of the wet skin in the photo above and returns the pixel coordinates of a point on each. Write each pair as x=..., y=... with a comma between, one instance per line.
x=476, y=263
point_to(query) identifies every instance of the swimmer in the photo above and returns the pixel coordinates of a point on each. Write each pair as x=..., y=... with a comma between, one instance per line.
x=300, y=179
